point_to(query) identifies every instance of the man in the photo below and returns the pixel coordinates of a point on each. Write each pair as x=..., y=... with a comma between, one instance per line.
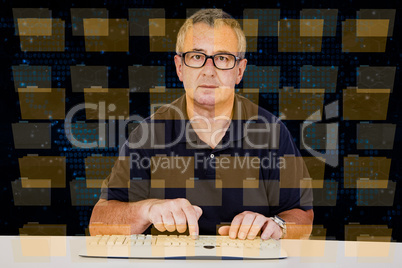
x=215, y=171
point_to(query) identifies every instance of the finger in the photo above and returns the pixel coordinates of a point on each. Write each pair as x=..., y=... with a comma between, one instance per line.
x=180, y=220
x=192, y=220
x=168, y=221
x=271, y=231
x=246, y=225
x=258, y=223
x=224, y=230
x=235, y=225
x=198, y=211
x=158, y=223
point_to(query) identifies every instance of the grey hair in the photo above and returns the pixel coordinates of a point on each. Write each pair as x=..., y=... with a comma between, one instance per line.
x=212, y=17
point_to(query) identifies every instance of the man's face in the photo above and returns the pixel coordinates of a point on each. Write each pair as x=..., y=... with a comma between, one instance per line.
x=209, y=86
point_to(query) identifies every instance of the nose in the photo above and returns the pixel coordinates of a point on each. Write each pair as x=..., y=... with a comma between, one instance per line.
x=209, y=62
x=209, y=68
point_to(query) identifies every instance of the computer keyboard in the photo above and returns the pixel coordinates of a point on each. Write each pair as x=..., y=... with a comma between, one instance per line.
x=181, y=247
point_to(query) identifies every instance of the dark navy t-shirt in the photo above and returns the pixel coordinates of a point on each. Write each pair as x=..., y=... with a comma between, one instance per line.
x=255, y=167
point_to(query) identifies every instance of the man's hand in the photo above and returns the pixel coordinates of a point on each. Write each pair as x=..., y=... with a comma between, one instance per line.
x=175, y=214
x=247, y=225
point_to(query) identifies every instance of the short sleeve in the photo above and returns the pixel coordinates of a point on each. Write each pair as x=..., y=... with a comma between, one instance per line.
x=129, y=180
x=288, y=186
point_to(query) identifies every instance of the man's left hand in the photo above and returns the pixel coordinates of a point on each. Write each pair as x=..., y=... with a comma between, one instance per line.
x=247, y=224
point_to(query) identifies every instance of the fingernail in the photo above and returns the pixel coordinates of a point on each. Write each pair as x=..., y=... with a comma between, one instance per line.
x=194, y=235
x=242, y=235
x=232, y=235
x=264, y=237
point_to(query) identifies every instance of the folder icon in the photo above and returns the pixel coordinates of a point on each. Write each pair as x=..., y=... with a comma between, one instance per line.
x=33, y=228
x=365, y=234
x=376, y=77
x=42, y=103
x=326, y=196
x=316, y=169
x=96, y=27
x=354, y=231
x=163, y=34
x=32, y=135
x=30, y=196
x=300, y=35
x=41, y=34
x=146, y=78
x=43, y=169
x=301, y=104
x=31, y=76
x=371, y=168
x=88, y=76
x=364, y=35
x=372, y=28
x=365, y=104
x=34, y=27
x=375, y=193
x=109, y=35
x=104, y=103
x=375, y=136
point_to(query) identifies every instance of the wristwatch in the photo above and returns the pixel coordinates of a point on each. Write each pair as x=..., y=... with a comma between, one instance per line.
x=281, y=222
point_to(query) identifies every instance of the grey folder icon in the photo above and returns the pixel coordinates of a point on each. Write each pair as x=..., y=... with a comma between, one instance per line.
x=32, y=135
x=34, y=76
x=143, y=78
x=30, y=196
x=88, y=76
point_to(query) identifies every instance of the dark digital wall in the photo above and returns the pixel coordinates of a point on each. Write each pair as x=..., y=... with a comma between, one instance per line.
x=330, y=71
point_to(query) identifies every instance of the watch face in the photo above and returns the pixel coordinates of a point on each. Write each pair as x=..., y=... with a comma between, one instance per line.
x=282, y=220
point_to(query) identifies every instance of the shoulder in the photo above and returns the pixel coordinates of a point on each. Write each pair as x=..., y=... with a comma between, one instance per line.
x=175, y=110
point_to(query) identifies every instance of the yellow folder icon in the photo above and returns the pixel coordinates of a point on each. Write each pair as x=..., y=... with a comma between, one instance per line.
x=42, y=103
x=365, y=104
x=102, y=103
x=38, y=171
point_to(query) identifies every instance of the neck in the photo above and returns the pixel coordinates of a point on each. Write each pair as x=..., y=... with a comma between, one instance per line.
x=212, y=113
x=211, y=122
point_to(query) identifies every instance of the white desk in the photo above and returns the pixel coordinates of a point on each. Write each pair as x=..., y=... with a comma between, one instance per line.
x=60, y=252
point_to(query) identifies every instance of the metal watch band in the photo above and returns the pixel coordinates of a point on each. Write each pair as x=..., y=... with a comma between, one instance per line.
x=278, y=220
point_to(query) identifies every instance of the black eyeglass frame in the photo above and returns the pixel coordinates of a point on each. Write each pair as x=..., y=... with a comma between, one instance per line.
x=183, y=55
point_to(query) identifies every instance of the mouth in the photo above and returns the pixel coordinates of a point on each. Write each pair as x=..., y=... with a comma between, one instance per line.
x=208, y=86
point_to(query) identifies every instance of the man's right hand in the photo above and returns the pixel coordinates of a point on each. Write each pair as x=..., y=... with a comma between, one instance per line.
x=175, y=214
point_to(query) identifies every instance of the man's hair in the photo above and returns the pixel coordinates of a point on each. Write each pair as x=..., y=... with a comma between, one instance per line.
x=213, y=18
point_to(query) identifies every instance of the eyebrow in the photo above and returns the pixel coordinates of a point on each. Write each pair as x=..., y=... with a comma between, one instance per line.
x=216, y=52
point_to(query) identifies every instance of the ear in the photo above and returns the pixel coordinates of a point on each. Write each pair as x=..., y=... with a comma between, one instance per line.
x=179, y=67
x=242, y=68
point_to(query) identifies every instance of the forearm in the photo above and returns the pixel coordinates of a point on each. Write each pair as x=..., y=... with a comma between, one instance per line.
x=299, y=223
x=115, y=217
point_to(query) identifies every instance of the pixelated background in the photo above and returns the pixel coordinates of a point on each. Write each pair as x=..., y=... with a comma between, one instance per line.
x=340, y=58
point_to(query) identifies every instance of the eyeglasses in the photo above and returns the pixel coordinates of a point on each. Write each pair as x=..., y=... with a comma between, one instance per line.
x=222, y=61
